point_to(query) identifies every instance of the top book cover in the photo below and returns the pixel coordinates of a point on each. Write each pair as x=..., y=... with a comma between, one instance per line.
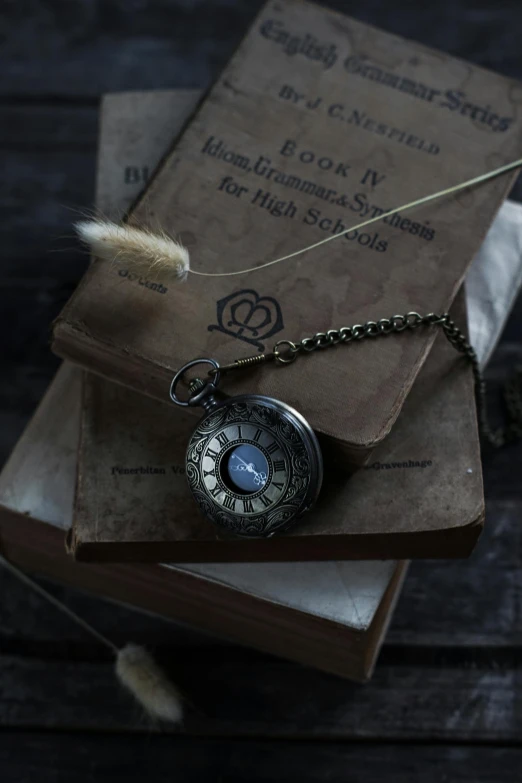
x=317, y=123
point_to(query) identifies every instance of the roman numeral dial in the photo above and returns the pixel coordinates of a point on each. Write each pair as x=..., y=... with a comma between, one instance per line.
x=245, y=468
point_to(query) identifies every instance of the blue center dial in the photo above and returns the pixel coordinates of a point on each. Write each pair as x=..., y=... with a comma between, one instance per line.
x=247, y=468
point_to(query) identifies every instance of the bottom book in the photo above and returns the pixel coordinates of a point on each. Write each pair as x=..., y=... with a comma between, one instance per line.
x=329, y=615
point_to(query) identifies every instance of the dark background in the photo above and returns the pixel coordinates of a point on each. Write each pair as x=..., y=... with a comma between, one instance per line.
x=445, y=703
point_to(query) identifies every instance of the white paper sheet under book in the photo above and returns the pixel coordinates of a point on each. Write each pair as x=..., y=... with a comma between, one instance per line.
x=494, y=280
x=348, y=593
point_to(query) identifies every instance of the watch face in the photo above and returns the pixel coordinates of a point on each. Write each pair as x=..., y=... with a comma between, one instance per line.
x=254, y=465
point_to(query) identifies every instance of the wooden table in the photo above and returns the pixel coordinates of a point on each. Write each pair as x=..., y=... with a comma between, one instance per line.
x=446, y=700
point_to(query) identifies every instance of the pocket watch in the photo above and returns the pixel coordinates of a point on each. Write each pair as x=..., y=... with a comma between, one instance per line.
x=253, y=463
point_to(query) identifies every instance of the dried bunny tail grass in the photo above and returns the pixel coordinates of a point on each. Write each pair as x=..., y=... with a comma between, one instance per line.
x=142, y=250
x=135, y=668
x=140, y=674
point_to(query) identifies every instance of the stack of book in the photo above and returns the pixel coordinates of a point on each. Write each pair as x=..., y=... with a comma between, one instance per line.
x=317, y=123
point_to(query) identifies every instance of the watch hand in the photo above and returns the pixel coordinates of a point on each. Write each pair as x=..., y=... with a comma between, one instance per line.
x=248, y=466
x=251, y=468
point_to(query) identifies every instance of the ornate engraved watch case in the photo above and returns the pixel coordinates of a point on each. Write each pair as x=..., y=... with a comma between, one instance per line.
x=253, y=463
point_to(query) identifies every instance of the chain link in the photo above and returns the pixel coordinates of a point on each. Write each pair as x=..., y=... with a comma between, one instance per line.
x=285, y=352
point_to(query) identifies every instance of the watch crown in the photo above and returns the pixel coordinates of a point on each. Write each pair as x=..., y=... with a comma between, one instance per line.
x=196, y=385
x=202, y=393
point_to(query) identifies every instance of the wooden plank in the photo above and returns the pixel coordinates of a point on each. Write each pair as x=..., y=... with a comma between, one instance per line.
x=502, y=467
x=44, y=128
x=153, y=45
x=237, y=693
x=472, y=602
x=27, y=363
x=76, y=51
x=30, y=626
x=43, y=193
x=84, y=758
x=48, y=160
